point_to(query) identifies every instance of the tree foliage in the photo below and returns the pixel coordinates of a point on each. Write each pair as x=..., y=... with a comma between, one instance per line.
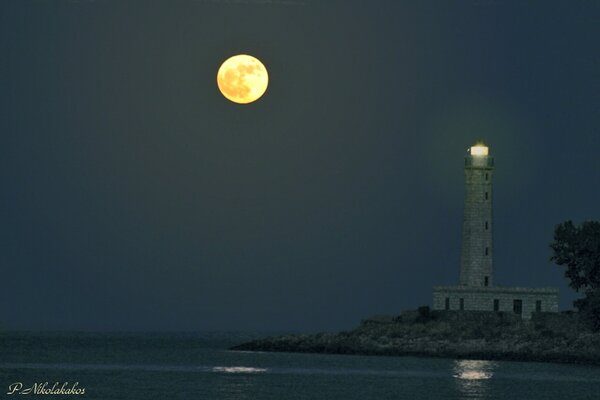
x=577, y=247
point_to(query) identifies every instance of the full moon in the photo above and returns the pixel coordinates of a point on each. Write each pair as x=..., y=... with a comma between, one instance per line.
x=242, y=79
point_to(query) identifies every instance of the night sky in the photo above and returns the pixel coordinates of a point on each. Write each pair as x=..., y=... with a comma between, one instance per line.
x=134, y=196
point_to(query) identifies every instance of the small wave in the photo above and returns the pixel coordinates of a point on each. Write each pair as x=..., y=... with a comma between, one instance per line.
x=136, y=367
x=239, y=370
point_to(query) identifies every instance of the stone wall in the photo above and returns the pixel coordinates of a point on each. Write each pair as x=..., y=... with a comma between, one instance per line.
x=482, y=299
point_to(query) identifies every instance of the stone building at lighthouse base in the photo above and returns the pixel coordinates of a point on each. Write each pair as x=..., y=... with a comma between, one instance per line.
x=518, y=300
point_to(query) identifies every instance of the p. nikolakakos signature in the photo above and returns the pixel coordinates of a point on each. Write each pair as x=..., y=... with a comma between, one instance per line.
x=44, y=388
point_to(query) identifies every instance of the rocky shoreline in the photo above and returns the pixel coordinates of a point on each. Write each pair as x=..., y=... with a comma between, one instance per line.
x=547, y=337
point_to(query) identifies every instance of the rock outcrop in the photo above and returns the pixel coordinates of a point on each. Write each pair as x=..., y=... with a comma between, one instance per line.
x=548, y=337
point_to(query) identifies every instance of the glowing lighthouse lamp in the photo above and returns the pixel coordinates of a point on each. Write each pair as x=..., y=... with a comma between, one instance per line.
x=479, y=155
x=479, y=149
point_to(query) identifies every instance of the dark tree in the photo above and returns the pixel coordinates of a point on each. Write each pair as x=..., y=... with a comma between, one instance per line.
x=577, y=247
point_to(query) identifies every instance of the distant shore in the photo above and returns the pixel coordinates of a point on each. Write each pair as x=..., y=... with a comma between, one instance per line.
x=547, y=337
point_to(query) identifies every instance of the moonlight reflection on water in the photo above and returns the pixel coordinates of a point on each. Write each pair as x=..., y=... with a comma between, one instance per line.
x=472, y=377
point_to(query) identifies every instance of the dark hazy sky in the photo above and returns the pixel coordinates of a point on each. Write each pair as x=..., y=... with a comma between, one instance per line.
x=134, y=196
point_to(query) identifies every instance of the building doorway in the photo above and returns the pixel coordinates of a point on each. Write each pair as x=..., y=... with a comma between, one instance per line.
x=518, y=306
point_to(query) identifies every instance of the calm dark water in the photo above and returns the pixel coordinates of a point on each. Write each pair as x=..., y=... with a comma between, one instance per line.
x=198, y=366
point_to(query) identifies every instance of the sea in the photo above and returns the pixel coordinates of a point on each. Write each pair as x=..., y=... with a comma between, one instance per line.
x=199, y=366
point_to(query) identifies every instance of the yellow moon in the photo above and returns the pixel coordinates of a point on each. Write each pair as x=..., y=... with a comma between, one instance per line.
x=242, y=79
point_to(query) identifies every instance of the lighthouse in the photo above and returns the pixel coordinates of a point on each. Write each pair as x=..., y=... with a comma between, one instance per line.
x=476, y=291
x=476, y=253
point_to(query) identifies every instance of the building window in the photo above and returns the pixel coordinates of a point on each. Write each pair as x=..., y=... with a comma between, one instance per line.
x=486, y=281
x=496, y=305
x=486, y=176
x=538, y=305
x=518, y=306
x=462, y=304
x=447, y=303
x=486, y=195
x=486, y=225
x=487, y=251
